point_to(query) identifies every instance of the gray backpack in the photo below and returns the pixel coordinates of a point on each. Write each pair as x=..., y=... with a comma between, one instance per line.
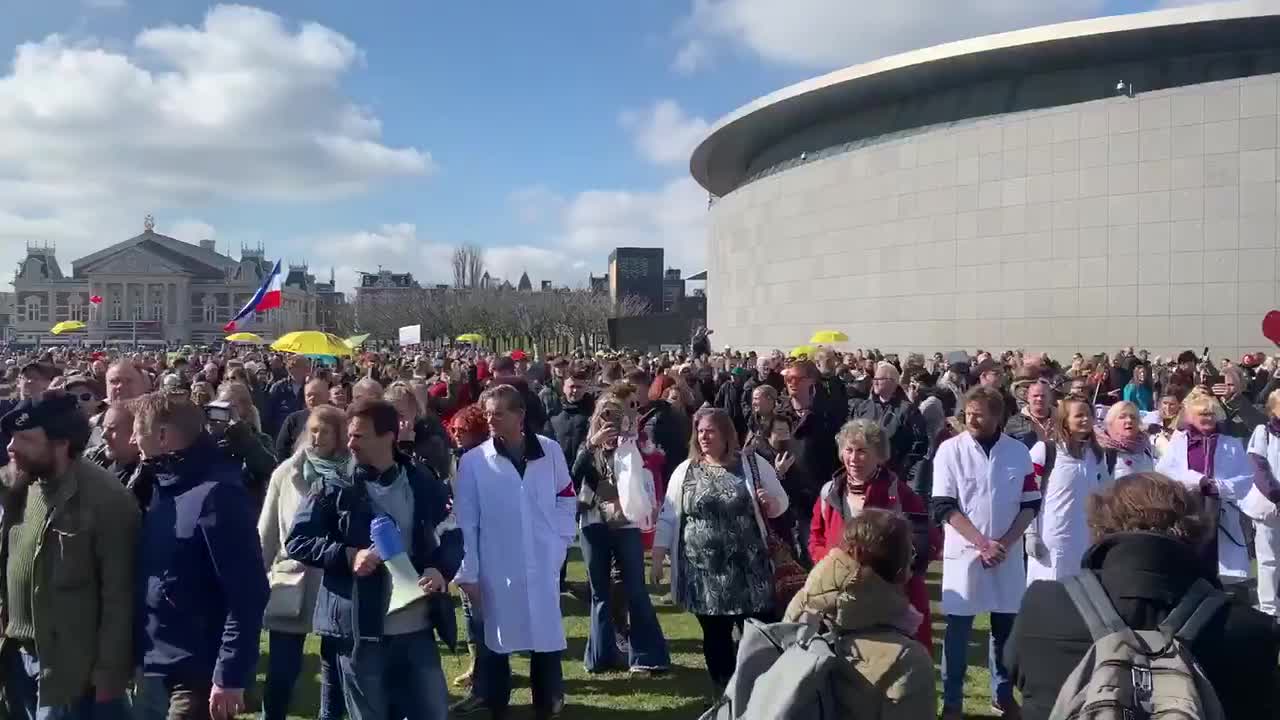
x=784, y=671
x=1138, y=674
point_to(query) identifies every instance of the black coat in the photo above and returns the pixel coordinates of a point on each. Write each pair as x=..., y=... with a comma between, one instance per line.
x=1145, y=574
x=293, y=427
x=813, y=445
x=569, y=426
x=908, y=439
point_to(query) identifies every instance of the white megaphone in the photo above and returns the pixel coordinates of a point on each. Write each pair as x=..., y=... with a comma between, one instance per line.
x=390, y=547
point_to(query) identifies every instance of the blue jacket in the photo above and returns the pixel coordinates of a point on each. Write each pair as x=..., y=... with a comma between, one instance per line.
x=336, y=516
x=201, y=585
x=282, y=401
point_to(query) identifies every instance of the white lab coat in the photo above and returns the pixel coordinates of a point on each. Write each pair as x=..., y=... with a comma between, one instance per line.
x=1061, y=525
x=990, y=491
x=1266, y=523
x=669, y=521
x=1233, y=474
x=516, y=532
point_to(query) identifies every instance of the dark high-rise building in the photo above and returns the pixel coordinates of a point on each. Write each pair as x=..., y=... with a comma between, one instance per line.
x=637, y=273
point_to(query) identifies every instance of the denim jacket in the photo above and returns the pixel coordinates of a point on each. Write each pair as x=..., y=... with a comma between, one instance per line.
x=335, y=517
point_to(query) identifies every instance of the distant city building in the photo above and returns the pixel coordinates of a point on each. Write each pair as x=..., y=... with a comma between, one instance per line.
x=6, y=314
x=330, y=304
x=599, y=285
x=525, y=285
x=155, y=289
x=672, y=290
x=637, y=273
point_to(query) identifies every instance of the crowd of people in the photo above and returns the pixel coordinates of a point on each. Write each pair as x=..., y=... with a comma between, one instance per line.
x=162, y=510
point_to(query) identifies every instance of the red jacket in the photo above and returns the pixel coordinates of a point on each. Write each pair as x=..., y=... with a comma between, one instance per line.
x=885, y=491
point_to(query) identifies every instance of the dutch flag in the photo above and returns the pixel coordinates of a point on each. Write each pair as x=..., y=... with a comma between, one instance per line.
x=267, y=298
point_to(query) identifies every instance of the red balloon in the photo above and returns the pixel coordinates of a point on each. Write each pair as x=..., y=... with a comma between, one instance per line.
x=96, y=299
x=1271, y=326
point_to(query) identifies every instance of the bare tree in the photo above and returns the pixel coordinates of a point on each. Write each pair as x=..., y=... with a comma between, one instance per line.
x=467, y=263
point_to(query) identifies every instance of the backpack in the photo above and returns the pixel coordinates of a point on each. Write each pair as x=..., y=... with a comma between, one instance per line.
x=1138, y=674
x=784, y=671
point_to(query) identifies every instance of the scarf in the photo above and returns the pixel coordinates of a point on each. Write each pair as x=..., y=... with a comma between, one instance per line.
x=1129, y=448
x=1200, y=449
x=1273, y=427
x=317, y=470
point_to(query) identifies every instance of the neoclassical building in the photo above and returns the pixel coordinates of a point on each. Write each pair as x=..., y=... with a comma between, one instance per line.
x=156, y=290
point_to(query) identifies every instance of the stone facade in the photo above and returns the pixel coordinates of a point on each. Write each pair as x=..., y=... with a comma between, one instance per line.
x=1148, y=221
x=155, y=290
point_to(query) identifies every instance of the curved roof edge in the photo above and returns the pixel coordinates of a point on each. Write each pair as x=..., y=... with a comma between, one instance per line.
x=719, y=162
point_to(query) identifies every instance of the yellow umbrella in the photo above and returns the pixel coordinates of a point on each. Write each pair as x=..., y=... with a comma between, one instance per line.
x=826, y=337
x=356, y=341
x=67, y=326
x=312, y=342
x=803, y=351
x=471, y=338
x=244, y=337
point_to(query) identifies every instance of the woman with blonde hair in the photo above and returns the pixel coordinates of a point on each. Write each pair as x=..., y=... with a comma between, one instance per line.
x=421, y=436
x=1069, y=467
x=1203, y=458
x=1124, y=443
x=1260, y=504
x=609, y=537
x=321, y=456
x=713, y=525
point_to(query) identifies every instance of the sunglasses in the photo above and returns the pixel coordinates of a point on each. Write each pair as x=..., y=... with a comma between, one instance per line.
x=85, y=397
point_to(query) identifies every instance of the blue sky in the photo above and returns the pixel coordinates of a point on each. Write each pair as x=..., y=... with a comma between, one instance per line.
x=357, y=134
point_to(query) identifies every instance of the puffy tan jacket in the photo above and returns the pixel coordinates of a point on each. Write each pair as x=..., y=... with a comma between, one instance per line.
x=888, y=674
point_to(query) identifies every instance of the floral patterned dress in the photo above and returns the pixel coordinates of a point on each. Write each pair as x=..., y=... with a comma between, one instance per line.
x=725, y=562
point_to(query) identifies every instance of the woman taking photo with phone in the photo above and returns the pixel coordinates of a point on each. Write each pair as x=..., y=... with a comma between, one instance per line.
x=609, y=537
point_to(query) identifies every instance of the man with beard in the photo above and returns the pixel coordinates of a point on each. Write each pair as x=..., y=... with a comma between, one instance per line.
x=70, y=531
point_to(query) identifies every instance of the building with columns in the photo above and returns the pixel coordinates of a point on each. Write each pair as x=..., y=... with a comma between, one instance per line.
x=155, y=290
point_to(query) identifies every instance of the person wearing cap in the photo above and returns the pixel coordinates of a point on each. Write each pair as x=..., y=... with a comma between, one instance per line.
x=200, y=564
x=71, y=532
x=88, y=392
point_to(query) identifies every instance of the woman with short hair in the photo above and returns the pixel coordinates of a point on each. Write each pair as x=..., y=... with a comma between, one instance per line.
x=713, y=527
x=857, y=591
x=322, y=452
x=1203, y=458
x=864, y=482
x=1124, y=442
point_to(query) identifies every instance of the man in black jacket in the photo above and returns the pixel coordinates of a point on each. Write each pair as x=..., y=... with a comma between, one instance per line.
x=1145, y=571
x=902, y=422
x=286, y=396
x=813, y=444
x=316, y=393
x=569, y=426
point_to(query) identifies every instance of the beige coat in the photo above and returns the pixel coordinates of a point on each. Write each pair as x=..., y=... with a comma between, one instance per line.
x=889, y=675
x=285, y=493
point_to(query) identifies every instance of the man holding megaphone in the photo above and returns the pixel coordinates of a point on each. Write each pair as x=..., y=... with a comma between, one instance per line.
x=374, y=535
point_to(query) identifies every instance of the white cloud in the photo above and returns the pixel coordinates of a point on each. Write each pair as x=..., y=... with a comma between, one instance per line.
x=244, y=107
x=535, y=204
x=664, y=134
x=587, y=227
x=832, y=33
x=191, y=230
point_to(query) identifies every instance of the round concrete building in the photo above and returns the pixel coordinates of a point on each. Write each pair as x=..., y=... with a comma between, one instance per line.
x=1083, y=186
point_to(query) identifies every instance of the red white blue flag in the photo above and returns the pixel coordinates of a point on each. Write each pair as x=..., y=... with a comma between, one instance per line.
x=267, y=298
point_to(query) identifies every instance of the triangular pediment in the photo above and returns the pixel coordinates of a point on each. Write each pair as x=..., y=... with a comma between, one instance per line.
x=133, y=261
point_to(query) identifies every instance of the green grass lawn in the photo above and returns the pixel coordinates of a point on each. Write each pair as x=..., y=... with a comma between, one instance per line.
x=682, y=694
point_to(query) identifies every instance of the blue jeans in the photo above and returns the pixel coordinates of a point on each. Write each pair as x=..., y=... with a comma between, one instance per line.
x=284, y=665
x=24, y=692
x=475, y=636
x=600, y=547
x=955, y=658
x=399, y=670
x=545, y=680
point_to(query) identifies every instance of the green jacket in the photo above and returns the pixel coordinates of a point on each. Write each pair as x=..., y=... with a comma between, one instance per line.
x=83, y=583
